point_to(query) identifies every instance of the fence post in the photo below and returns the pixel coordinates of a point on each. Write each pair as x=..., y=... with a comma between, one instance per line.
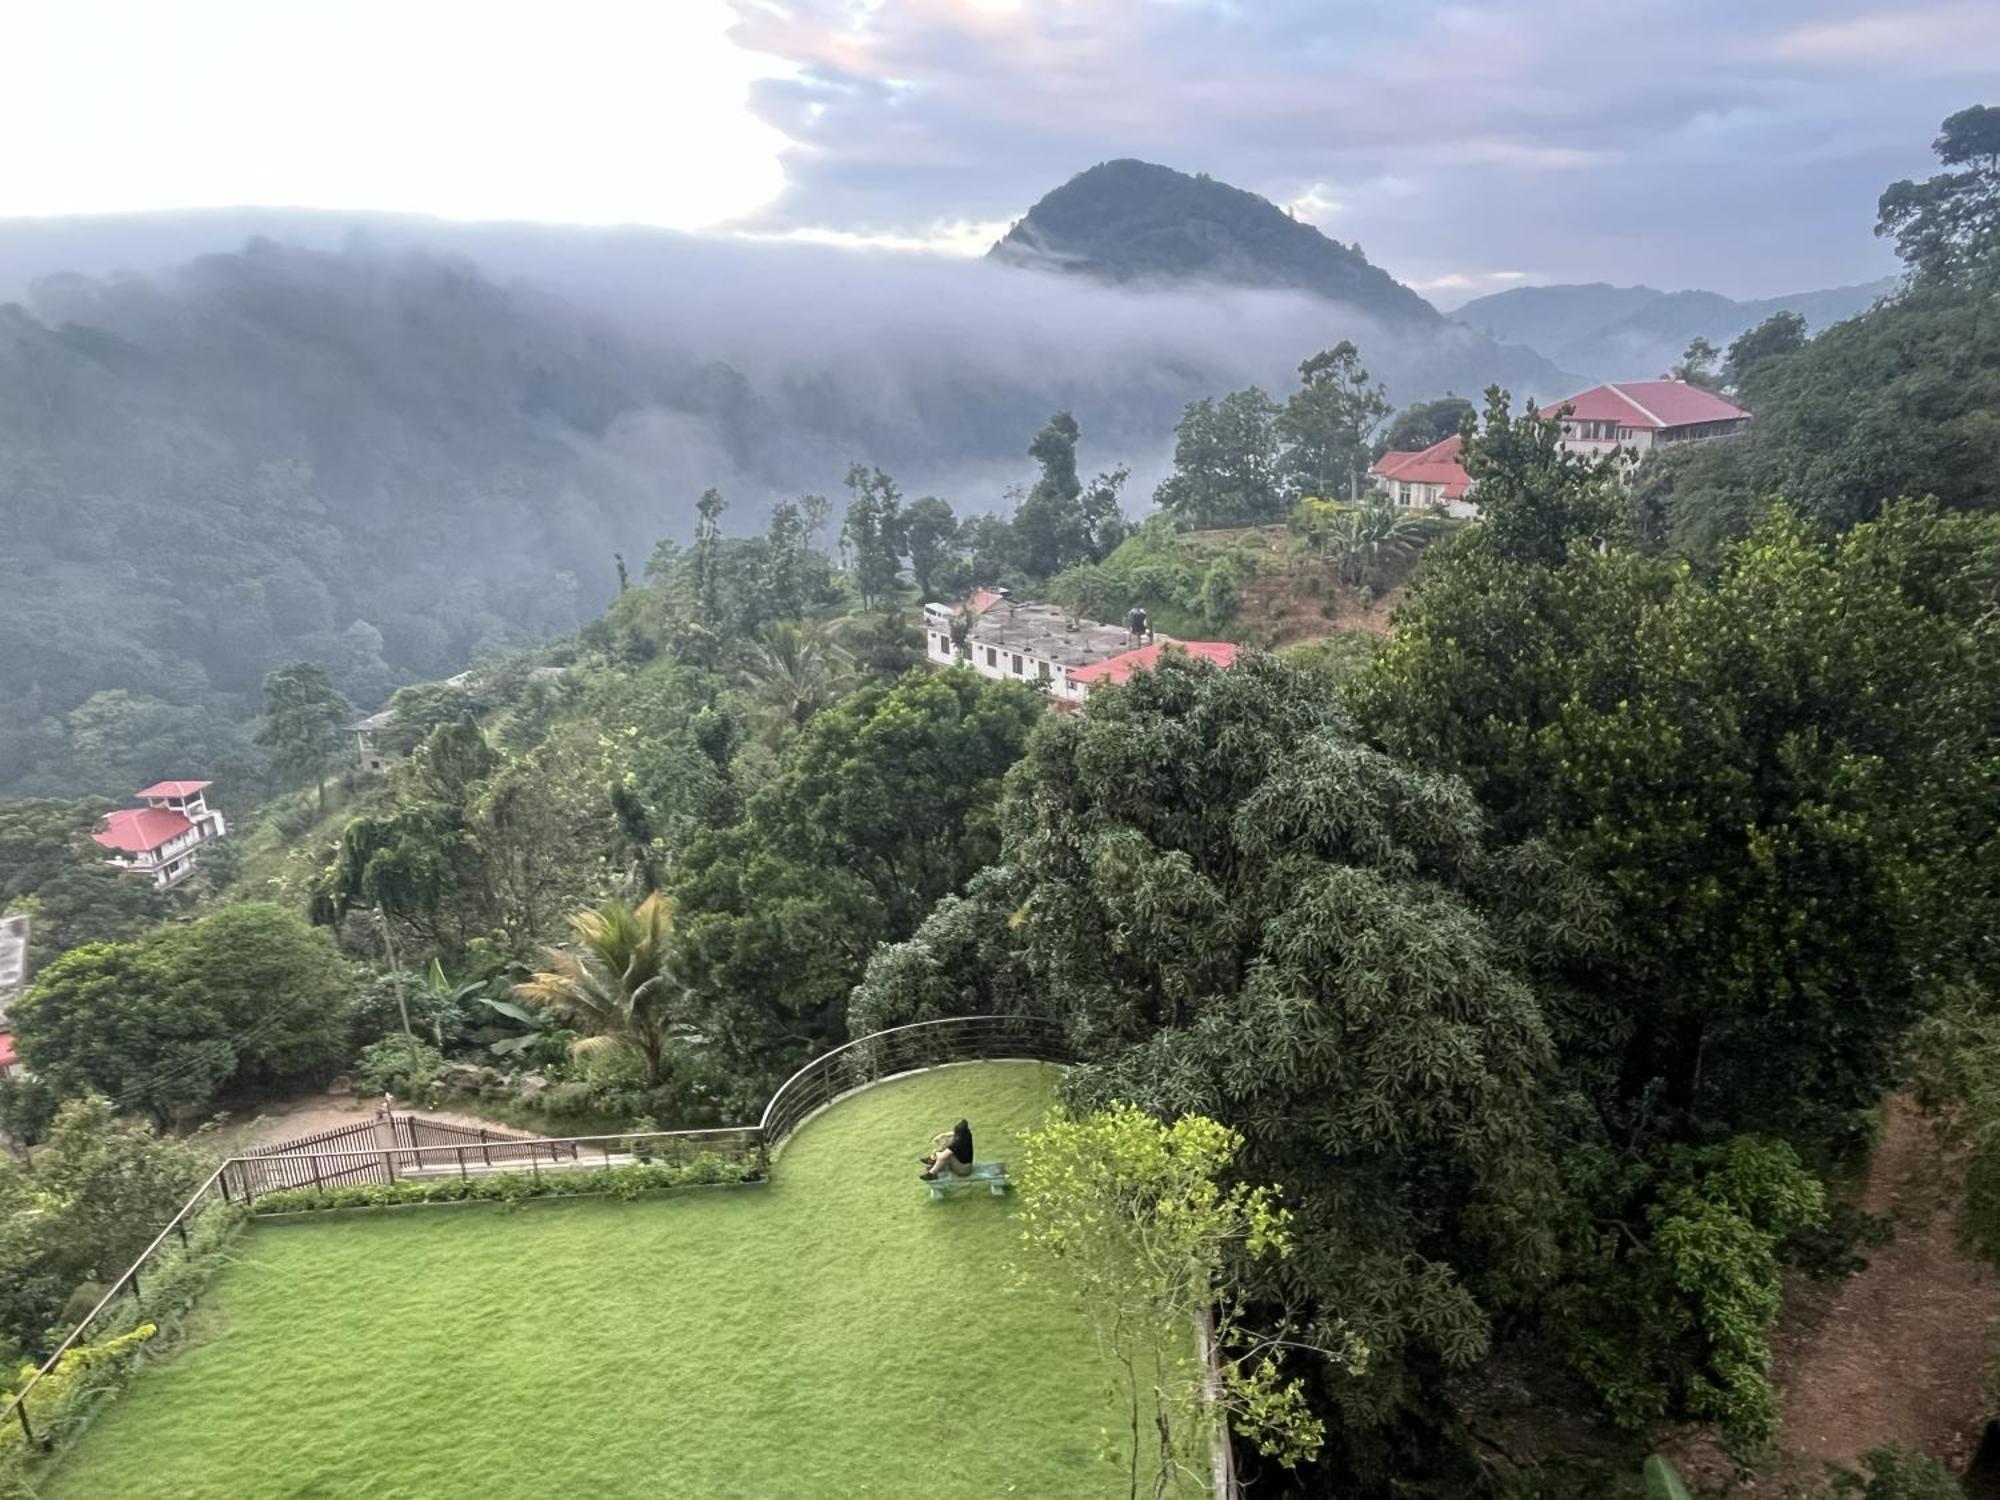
x=389, y=1165
x=461, y=1162
x=483, y=1151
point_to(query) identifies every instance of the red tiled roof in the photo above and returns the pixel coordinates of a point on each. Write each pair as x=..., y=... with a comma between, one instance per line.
x=134, y=830
x=174, y=789
x=1651, y=404
x=1118, y=668
x=983, y=600
x=8, y=1056
x=1437, y=464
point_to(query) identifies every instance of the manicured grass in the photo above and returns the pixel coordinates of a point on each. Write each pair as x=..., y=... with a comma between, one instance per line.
x=830, y=1334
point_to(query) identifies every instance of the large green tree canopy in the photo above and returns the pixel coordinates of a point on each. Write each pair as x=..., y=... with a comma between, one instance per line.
x=1241, y=910
x=882, y=805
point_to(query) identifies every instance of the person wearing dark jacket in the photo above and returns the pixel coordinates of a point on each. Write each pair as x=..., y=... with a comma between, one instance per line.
x=953, y=1153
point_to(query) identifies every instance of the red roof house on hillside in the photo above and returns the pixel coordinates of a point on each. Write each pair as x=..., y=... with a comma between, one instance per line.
x=1145, y=658
x=1430, y=478
x=9, y=1058
x=1639, y=415
x=160, y=838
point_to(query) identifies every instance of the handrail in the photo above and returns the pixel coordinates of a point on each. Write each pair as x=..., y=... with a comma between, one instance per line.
x=873, y=1057
x=1045, y=1035
x=18, y=1407
x=500, y=1143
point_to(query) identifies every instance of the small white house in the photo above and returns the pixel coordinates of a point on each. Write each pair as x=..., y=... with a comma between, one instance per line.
x=159, y=840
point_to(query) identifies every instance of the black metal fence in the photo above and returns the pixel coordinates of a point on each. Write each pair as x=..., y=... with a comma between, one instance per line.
x=423, y=1148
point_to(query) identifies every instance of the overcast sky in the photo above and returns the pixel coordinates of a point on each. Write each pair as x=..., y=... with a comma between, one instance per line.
x=1715, y=143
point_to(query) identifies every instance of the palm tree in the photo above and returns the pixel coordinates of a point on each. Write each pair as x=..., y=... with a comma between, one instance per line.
x=793, y=672
x=1368, y=537
x=614, y=982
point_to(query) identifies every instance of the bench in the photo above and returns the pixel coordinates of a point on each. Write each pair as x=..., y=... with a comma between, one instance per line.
x=991, y=1175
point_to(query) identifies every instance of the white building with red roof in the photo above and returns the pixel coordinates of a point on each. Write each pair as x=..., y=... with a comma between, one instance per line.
x=159, y=840
x=1429, y=479
x=1009, y=640
x=1637, y=416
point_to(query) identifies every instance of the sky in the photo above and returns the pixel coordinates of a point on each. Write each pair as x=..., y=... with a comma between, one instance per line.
x=1466, y=147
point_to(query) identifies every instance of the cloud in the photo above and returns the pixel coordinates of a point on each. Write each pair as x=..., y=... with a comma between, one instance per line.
x=1943, y=39
x=1597, y=143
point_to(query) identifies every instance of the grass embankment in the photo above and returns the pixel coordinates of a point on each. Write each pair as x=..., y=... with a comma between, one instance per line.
x=830, y=1334
x=1256, y=585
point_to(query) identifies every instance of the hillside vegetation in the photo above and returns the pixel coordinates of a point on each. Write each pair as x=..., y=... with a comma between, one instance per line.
x=1544, y=973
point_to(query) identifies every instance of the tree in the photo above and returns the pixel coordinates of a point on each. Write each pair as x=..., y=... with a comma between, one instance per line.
x=615, y=982
x=418, y=709
x=1423, y=423
x=1329, y=423
x=248, y=997
x=1697, y=365
x=1778, y=335
x=1244, y=912
x=873, y=534
x=1362, y=540
x=1538, y=500
x=1947, y=228
x=114, y=1018
x=303, y=719
x=89, y=1202
x=792, y=672
x=1061, y=523
x=280, y=989
x=881, y=805
x=1227, y=463
x=1779, y=832
x=787, y=561
x=931, y=532
x=1132, y=1218
x=707, y=558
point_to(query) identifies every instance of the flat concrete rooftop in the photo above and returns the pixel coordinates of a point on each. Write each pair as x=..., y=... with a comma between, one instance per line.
x=1042, y=630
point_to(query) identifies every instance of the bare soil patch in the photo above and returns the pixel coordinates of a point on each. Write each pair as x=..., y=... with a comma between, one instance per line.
x=1898, y=1352
x=309, y=1114
x=1895, y=1354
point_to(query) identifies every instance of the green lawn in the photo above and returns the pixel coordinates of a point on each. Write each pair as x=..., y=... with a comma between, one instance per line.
x=831, y=1334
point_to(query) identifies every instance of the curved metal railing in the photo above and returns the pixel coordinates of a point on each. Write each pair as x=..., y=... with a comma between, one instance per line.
x=906, y=1049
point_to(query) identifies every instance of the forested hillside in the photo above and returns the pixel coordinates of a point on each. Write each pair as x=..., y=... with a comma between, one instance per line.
x=389, y=466
x=1549, y=970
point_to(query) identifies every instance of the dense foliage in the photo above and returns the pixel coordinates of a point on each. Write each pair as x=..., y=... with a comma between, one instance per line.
x=75, y=1215
x=247, y=997
x=884, y=804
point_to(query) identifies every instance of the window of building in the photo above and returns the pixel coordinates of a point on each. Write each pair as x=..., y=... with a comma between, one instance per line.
x=1019, y=670
x=992, y=657
x=1043, y=668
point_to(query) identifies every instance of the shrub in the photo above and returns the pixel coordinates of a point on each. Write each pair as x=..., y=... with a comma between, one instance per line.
x=1897, y=1474
x=397, y=1065
x=626, y=1182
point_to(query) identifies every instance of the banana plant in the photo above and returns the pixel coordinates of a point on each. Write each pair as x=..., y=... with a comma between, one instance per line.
x=1663, y=1481
x=536, y=1027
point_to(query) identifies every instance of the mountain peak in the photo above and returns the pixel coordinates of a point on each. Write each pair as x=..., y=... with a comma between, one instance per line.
x=1137, y=221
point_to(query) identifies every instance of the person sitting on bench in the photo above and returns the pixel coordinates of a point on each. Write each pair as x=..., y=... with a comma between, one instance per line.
x=953, y=1154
